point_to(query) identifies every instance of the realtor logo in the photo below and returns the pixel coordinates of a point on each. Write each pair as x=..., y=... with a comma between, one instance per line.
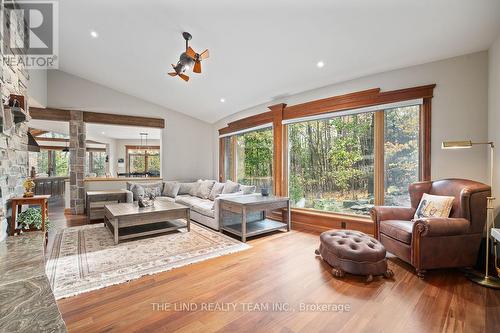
x=29, y=31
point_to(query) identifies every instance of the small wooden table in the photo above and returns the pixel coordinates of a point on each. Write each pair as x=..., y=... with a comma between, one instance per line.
x=128, y=220
x=253, y=203
x=17, y=204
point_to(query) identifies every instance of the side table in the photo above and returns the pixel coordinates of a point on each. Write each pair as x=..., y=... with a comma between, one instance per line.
x=243, y=205
x=17, y=204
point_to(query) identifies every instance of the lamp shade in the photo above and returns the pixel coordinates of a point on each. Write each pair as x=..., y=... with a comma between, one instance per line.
x=456, y=144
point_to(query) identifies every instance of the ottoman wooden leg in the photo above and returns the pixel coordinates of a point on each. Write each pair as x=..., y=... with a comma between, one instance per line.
x=389, y=274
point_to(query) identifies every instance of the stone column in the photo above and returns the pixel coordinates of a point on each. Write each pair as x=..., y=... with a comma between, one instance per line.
x=77, y=148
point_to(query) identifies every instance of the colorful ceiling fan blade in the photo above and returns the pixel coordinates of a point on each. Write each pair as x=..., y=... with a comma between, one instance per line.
x=184, y=77
x=191, y=54
x=197, y=66
x=204, y=54
x=172, y=74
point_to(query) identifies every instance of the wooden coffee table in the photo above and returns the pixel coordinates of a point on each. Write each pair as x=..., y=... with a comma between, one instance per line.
x=128, y=220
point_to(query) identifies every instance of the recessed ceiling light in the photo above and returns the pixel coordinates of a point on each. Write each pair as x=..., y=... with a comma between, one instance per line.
x=94, y=34
x=103, y=133
x=222, y=100
x=320, y=64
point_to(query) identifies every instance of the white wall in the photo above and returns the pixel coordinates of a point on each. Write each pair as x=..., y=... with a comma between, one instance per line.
x=494, y=116
x=459, y=109
x=37, y=87
x=186, y=151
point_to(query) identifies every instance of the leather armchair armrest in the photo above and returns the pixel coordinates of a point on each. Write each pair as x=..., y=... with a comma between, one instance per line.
x=382, y=213
x=439, y=226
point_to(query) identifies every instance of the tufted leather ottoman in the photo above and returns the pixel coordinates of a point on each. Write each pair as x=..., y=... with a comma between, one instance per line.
x=353, y=252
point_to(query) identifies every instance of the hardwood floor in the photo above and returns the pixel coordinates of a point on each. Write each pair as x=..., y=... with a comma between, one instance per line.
x=281, y=268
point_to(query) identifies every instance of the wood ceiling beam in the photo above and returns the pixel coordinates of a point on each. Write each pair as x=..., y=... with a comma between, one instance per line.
x=96, y=118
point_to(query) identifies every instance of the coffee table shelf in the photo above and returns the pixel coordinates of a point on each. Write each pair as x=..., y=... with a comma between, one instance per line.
x=256, y=227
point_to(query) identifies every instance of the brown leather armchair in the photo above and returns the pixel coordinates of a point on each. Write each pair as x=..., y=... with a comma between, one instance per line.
x=435, y=242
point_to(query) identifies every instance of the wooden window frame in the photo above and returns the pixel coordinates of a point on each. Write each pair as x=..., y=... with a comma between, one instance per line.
x=320, y=220
x=146, y=156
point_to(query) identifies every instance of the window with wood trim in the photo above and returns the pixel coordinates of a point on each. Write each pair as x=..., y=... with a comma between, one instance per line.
x=380, y=139
x=51, y=162
x=142, y=160
x=248, y=158
x=347, y=164
x=96, y=162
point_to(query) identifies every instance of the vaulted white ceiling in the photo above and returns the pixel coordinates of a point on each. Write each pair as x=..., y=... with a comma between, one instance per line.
x=261, y=49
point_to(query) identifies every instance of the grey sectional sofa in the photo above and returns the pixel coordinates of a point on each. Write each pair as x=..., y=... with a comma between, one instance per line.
x=202, y=196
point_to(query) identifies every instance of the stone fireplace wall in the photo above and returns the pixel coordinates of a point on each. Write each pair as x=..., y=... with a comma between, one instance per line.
x=13, y=145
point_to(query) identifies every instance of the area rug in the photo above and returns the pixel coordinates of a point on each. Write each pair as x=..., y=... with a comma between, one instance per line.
x=85, y=258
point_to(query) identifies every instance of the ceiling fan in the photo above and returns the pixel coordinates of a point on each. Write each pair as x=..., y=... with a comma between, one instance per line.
x=188, y=59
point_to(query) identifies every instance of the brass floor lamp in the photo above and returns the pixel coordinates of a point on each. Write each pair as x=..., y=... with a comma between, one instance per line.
x=482, y=279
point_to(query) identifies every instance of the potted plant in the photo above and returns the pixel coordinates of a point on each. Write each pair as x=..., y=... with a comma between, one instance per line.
x=31, y=218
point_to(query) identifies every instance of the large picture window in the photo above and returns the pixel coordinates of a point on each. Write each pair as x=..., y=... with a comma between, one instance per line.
x=332, y=161
x=248, y=158
x=143, y=160
x=335, y=157
x=332, y=164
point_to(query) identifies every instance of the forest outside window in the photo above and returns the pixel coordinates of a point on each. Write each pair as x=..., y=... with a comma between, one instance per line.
x=337, y=164
x=51, y=162
x=143, y=160
x=248, y=158
x=96, y=162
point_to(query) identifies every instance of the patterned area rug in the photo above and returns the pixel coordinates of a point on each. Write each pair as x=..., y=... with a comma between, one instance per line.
x=86, y=258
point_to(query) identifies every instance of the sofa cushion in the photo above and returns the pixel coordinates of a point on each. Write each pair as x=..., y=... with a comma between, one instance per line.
x=216, y=190
x=205, y=188
x=188, y=200
x=171, y=189
x=399, y=230
x=194, y=189
x=205, y=207
x=165, y=199
x=230, y=187
x=247, y=189
x=146, y=189
x=137, y=191
x=185, y=188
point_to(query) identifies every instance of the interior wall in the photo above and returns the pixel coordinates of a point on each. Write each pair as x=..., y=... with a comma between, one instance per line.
x=37, y=87
x=186, y=152
x=494, y=117
x=459, y=109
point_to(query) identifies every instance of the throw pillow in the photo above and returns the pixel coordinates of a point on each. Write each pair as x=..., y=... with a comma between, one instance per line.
x=247, y=189
x=152, y=188
x=194, y=189
x=205, y=188
x=434, y=206
x=231, y=187
x=170, y=189
x=137, y=191
x=185, y=188
x=216, y=190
